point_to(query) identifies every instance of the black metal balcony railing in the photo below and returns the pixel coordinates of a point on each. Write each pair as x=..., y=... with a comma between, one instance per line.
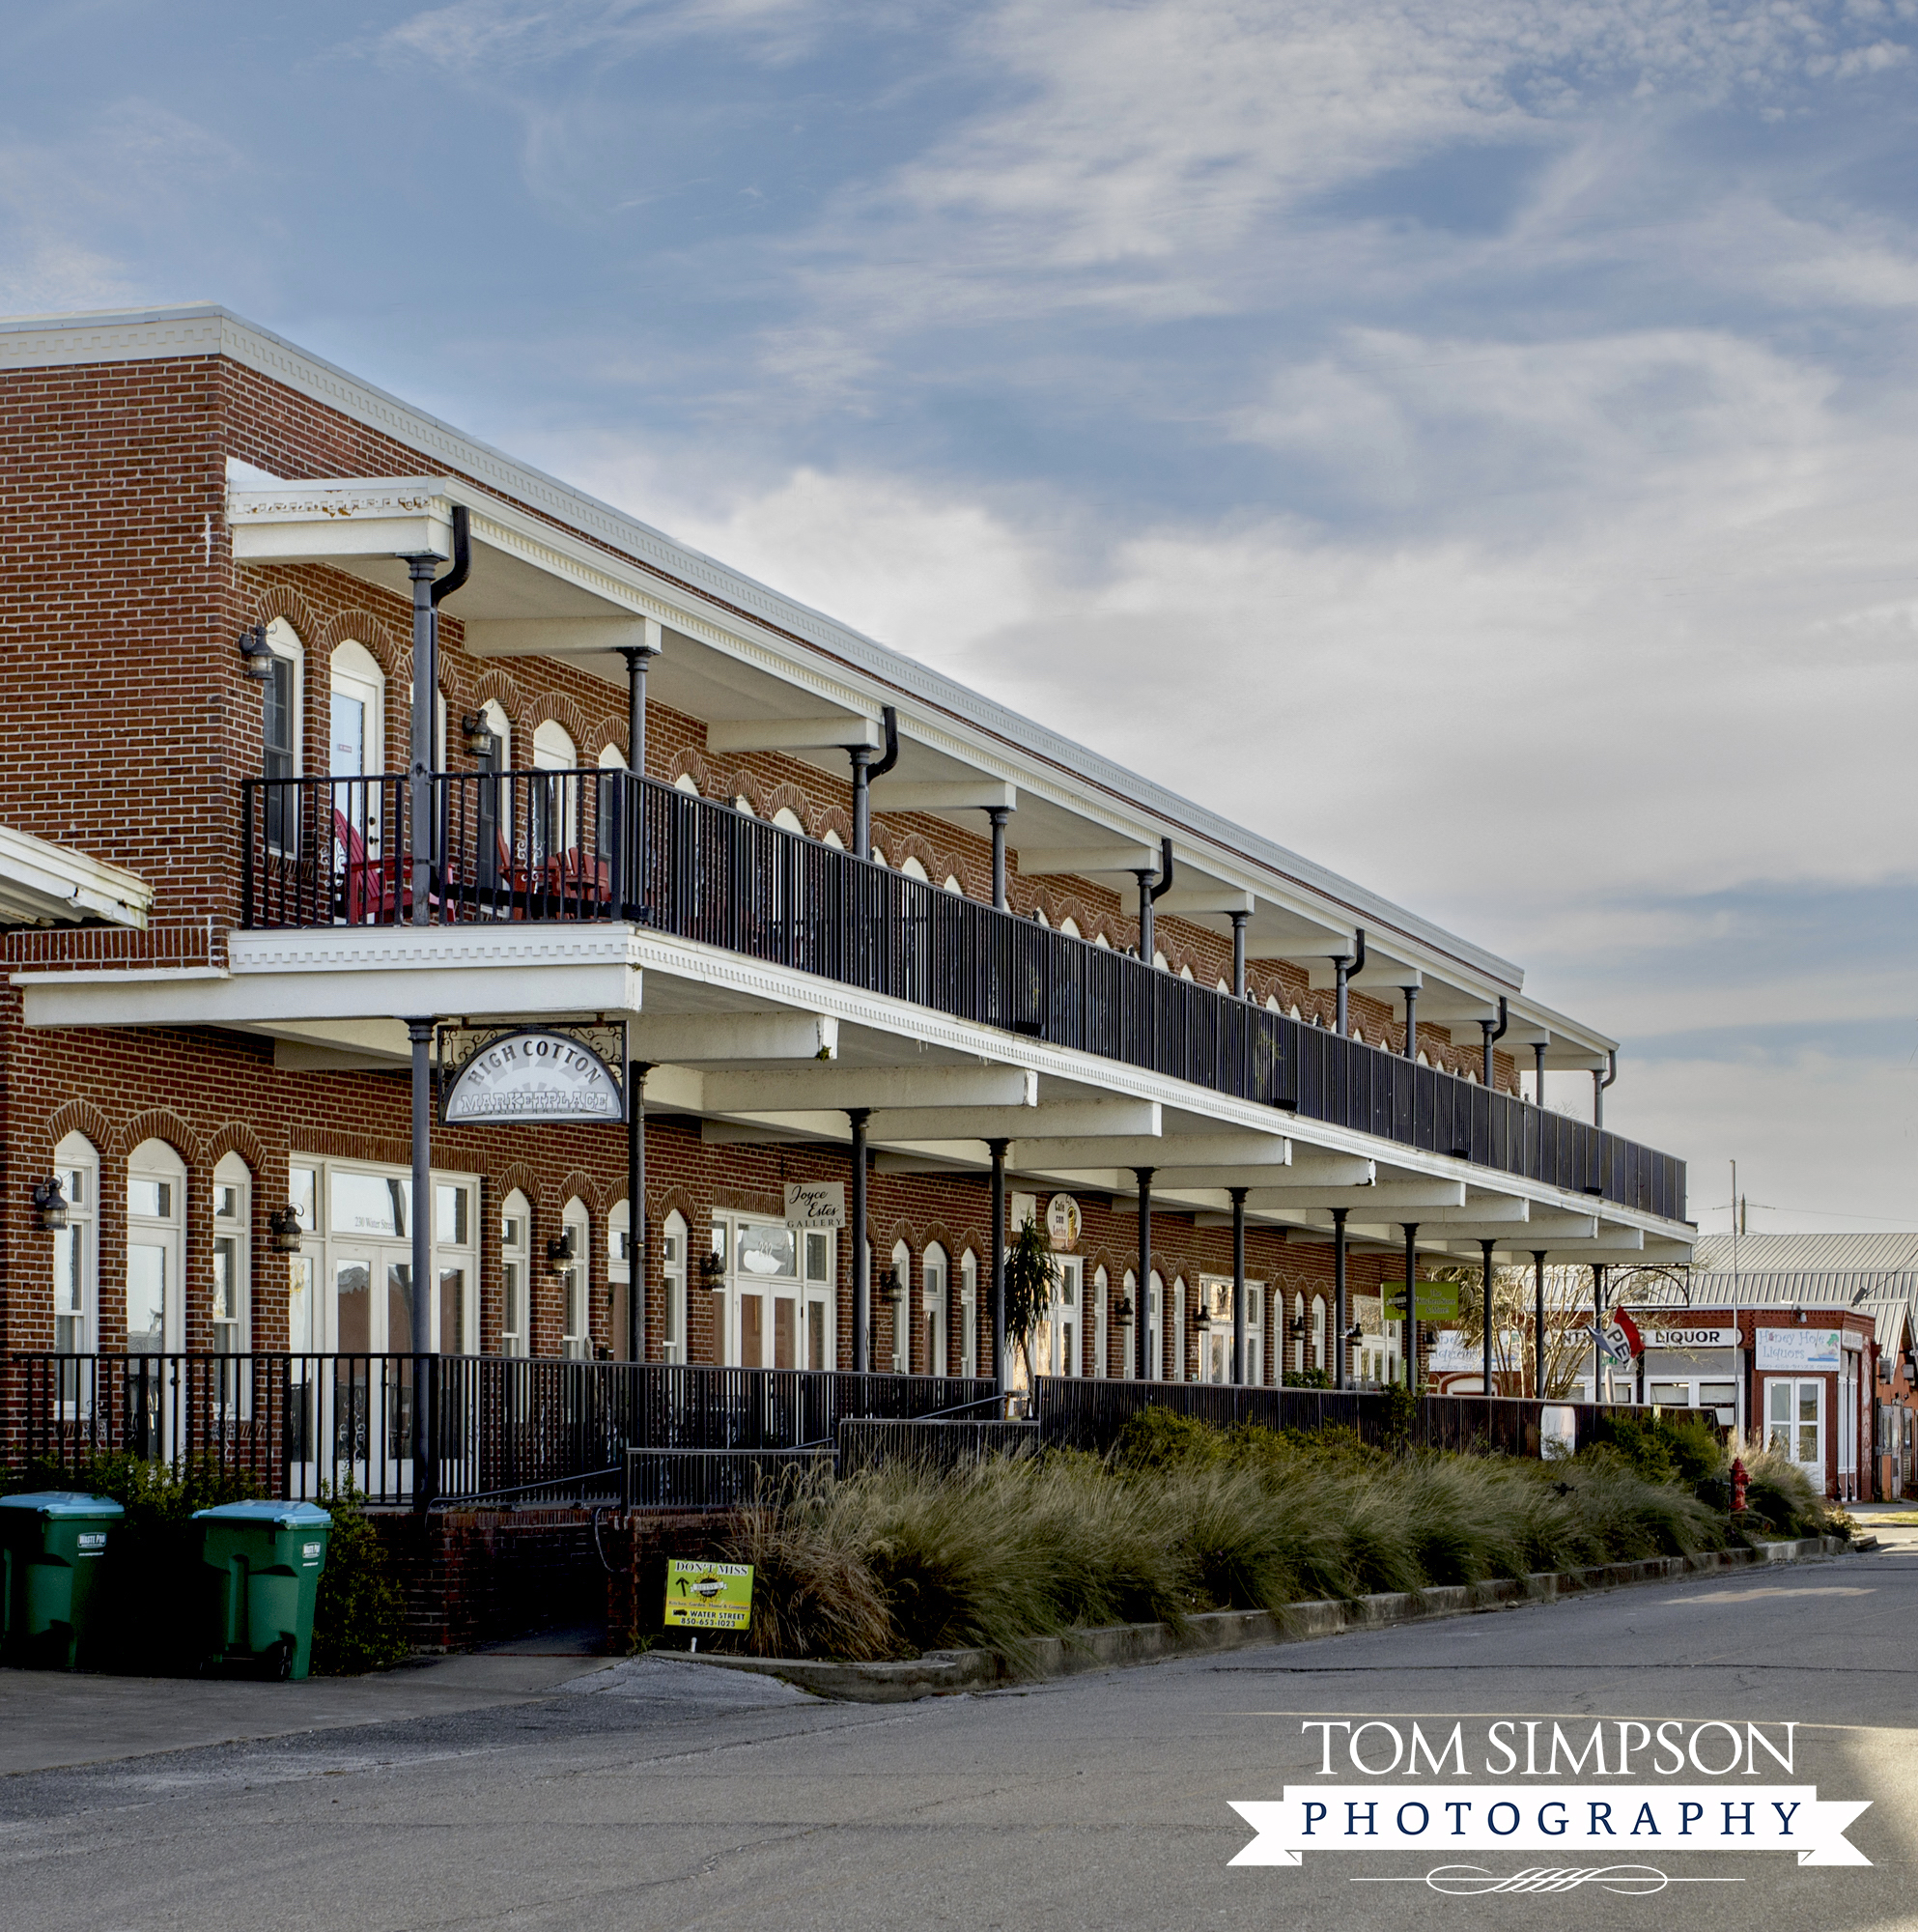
x=606, y=845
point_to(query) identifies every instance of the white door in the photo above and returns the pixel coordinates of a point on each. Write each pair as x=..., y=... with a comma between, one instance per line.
x=1064, y=1355
x=1795, y=1422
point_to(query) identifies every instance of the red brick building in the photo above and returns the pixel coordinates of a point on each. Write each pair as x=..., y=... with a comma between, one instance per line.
x=236, y=903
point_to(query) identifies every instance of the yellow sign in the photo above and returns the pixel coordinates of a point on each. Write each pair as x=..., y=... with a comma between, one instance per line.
x=1436, y=1301
x=709, y=1596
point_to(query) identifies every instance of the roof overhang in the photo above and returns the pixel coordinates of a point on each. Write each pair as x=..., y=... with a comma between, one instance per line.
x=45, y=884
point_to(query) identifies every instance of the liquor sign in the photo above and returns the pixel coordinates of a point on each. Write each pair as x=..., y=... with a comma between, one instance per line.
x=1807, y=1349
x=532, y=1073
x=1690, y=1340
x=816, y=1204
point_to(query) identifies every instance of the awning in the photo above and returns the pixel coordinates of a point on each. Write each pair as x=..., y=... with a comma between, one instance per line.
x=45, y=884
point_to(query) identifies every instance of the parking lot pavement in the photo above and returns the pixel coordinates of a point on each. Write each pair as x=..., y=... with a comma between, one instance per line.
x=657, y=1793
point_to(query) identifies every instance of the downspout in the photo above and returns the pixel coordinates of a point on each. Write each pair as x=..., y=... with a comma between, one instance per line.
x=1598, y=1087
x=1495, y=1033
x=1149, y=894
x=865, y=771
x=1348, y=967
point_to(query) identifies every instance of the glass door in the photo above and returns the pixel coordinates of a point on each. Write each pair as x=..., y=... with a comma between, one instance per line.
x=1794, y=1424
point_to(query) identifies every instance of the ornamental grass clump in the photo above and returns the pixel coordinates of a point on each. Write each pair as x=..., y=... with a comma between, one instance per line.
x=1179, y=1520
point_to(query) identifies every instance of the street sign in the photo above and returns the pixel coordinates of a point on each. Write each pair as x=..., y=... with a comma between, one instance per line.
x=709, y=1596
x=1436, y=1300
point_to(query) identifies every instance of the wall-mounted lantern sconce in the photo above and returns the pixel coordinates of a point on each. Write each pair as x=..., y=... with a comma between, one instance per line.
x=283, y=1225
x=891, y=1287
x=712, y=1269
x=1122, y=1308
x=49, y=1204
x=559, y=1250
x=481, y=740
x=256, y=654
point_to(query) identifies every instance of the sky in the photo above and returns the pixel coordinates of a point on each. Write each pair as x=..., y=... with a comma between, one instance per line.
x=1471, y=446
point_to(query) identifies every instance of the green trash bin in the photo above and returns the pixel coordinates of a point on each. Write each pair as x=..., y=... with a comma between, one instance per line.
x=51, y=1546
x=261, y=1565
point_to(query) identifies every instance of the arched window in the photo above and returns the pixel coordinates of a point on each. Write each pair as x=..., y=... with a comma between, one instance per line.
x=1099, y=939
x=1160, y=960
x=1129, y=1330
x=952, y=885
x=1220, y=986
x=230, y=1314
x=686, y=783
x=156, y=1249
x=830, y=837
x=514, y=1272
x=555, y=804
x=574, y=1278
x=1176, y=1366
x=356, y=747
x=1294, y=1008
x=933, y=1293
x=744, y=806
x=911, y=869
x=672, y=1288
x=1101, y=1353
x=1185, y=971
x=607, y=799
x=1070, y=927
x=902, y=1310
x=877, y=854
x=553, y=748
x=281, y=711
x=1155, y=1329
x=76, y=1249
x=969, y=1313
x=787, y=821
x=1317, y=1332
x=1039, y=916
x=619, y=1277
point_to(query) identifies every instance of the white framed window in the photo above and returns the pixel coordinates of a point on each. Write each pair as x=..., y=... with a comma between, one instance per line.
x=1066, y=1324
x=787, y=821
x=1795, y=1422
x=1175, y=1354
x=672, y=1288
x=902, y=1311
x=935, y=1315
x=228, y=1313
x=574, y=1278
x=1129, y=1330
x=515, y=1271
x=619, y=1275
x=156, y=1249
x=1101, y=1356
x=821, y=1295
x=773, y=1301
x=302, y=1299
x=1155, y=1327
x=282, y=704
x=77, y=1248
x=969, y=1313
x=555, y=804
x=1317, y=1332
x=455, y=1298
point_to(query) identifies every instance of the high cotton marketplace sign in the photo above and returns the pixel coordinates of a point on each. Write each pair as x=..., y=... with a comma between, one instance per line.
x=531, y=1073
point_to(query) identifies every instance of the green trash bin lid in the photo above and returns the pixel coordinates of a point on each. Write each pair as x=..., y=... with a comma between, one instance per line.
x=281, y=1516
x=63, y=1502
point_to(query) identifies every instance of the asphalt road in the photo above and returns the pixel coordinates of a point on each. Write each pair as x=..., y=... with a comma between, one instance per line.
x=661, y=1793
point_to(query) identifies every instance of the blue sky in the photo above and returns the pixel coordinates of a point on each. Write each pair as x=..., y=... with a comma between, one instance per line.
x=1474, y=445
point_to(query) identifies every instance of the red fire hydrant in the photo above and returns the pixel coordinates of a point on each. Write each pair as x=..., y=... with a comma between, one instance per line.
x=1738, y=1481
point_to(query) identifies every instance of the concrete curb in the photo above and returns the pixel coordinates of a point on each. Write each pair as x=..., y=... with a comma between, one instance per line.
x=942, y=1672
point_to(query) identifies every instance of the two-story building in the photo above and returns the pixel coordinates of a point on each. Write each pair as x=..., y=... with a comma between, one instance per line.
x=341, y=747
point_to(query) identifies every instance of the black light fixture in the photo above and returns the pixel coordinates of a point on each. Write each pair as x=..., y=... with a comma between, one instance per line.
x=481, y=739
x=256, y=654
x=1296, y=1326
x=891, y=1287
x=283, y=1225
x=49, y=1204
x=1354, y=1332
x=559, y=1250
x=1122, y=1307
x=711, y=1269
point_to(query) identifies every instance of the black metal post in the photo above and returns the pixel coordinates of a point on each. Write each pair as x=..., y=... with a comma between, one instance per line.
x=996, y=1148
x=1597, y=1328
x=420, y=1033
x=1240, y=955
x=636, y=1209
x=1141, y=1327
x=1348, y=966
x=1146, y=947
x=862, y=757
x=1339, y=1315
x=856, y=1234
x=1411, y=1021
x=1539, y=1072
x=426, y=686
x=999, y=815
x=1538, y=1323
x=1238, y=1285
x=638, y=658
x=1410, y=1342
x=1486, y=1278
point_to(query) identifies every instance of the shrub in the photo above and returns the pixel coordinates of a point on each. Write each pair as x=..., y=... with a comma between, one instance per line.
x=359, y=1615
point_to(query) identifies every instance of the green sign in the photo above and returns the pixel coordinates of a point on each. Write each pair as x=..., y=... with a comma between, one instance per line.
x=709, y=1596
x=1435, y=1301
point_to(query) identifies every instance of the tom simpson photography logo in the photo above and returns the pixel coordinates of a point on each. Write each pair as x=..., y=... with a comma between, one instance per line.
x=1679, y=1786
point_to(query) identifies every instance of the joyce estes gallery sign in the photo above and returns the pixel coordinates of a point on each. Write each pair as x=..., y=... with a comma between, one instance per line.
x=532, y=1073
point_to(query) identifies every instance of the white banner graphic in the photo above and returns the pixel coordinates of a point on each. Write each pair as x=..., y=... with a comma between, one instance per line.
x=1571, y=1820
